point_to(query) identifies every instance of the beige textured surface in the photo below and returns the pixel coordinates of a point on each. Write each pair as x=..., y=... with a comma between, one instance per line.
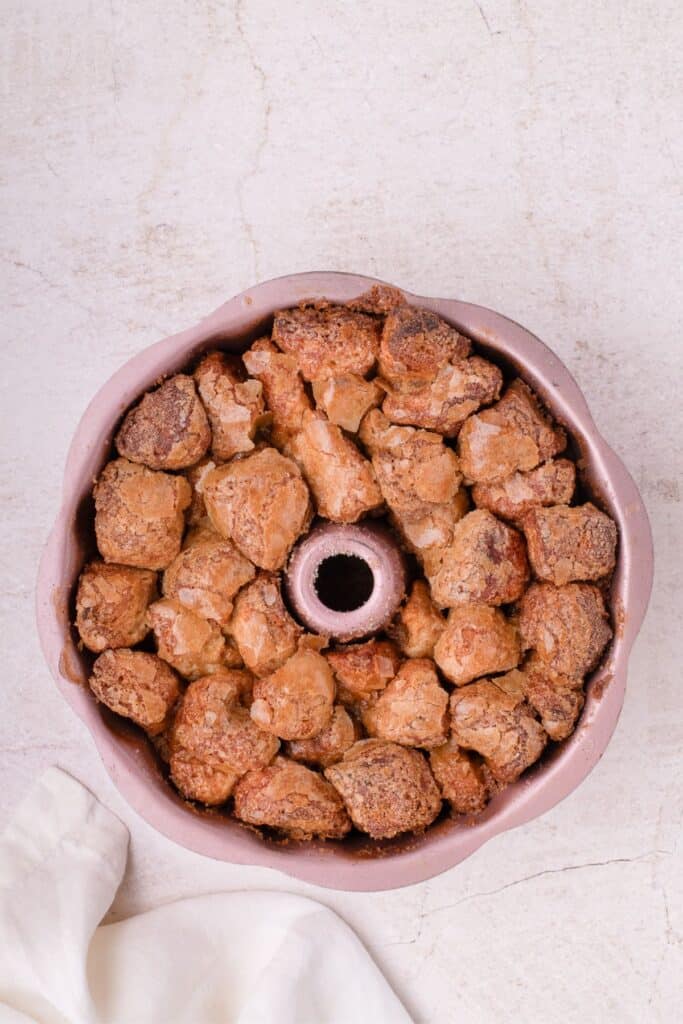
x=160, y=157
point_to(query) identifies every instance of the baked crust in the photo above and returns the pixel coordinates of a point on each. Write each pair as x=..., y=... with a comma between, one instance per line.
x=291, y=798
x=167, y=429
x=567, y=544
x=139, y=518
x=214, y=740
x=261, y=503
x=387, y=789
x=328, y=342
x=111, y=604
x=137, y=685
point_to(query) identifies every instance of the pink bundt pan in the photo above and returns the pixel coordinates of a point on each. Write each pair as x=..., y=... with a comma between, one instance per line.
x=360, y=864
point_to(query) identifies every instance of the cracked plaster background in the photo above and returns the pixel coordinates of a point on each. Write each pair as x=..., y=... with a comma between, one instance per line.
x=160, y=157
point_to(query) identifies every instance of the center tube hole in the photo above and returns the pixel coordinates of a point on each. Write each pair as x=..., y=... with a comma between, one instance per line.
x=344, y=582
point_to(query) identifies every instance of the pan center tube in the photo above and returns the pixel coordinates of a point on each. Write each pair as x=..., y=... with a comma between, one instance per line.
x=346, y=582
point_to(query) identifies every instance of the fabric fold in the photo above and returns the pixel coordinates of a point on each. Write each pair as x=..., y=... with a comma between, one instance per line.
x=246, y=957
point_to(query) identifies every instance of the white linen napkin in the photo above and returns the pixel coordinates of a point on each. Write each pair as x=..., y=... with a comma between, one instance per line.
x=233, y=958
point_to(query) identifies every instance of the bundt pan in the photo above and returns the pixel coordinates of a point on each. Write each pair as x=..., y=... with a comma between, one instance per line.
x=358, y=863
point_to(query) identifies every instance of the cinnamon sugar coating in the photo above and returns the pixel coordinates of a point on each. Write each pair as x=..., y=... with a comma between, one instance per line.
x=418, y=624
x=477, y=640
x=292, y=798
x=167, y=429
x=485, y=563
x=415, y=468
x=379, y=298
x=111, y=604
x=329, y=341
x=549, y=484
x=330, y=745
x=459, y=777
x=513, y=435
x=139, y=517
x=346, y=399
x=206, y=575
x=193, y=645
x=363, y=669
x=444, y=403
x=566, y=626
x=264, y=631
x=428, y=538
x=214, y=740
x=234, y=406
x=342, y=481
x=283, y=388
x=493, y=718
x=558, y=699
x=412, y=709
x=416, y=344
x=420, y=479
x=261, y=503
x=387, y=789
x=567, y=544
x=136, y=685
x=295, y=702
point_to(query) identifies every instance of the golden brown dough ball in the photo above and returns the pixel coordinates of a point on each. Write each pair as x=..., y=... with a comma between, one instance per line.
x=557, y=698
x=477, y=641
x=295, y=702
x=420, y=479
x=168, y=429
x=327, y=342
x=459, y=777
x=550, y=484
x=412, y=709
x=193, y=645
x=283, y=387
x=415, y=469
x=111, y=603
x=289, y=797
x=346, y=399
x=387, y=789
x=264, y=631
x=207, y=574
x=329, y=745
x=342, y=481
x=444, y=403
x=485, y=563
x=418, y=623
x=139, y=517
x=136, y=685
x=203, y=782
x=492, y=717
x=416, y=344
x=514, y=434
x=428, y=537
x=363, y=669
x=567, y=626
x=214, y=739
x=261, y=503
x=567, y=544
x=234, y=405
